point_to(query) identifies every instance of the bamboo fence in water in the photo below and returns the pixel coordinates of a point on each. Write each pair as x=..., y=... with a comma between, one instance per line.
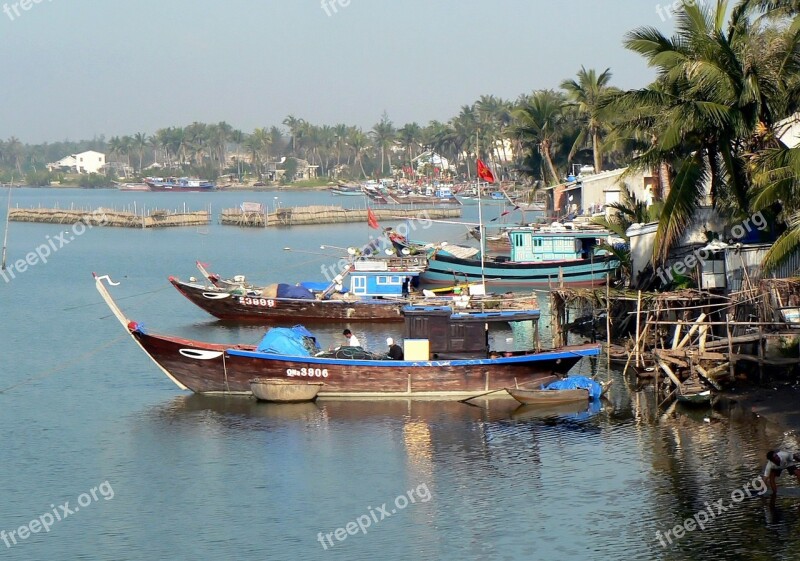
x=320, y=214
x=154, y=218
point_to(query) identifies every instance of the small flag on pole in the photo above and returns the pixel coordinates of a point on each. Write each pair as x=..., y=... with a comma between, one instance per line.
x=372, y=221
x=484, y=172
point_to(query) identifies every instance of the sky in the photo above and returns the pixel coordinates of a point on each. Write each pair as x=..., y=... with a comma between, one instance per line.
x=78, y=69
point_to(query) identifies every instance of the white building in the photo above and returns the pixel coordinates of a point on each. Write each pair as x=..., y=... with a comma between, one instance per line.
x=85, y=162
x=789, y=131
x=591, y=194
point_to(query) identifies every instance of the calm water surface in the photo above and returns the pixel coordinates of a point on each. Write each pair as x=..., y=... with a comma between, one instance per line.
x=214, y=478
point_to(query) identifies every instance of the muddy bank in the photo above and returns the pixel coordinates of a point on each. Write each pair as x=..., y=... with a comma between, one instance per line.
x=777, y=403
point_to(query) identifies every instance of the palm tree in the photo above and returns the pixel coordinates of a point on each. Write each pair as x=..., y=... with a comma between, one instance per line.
x=358, y=142
x=715, y=88
x=409, y=136
x=586, y=94
x=540, y=124
x=293, y=124
x=140, y=143
x=383, y=136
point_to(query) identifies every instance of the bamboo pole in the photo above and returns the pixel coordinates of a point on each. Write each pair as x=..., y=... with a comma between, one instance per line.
x=691, y=331
x=730, y=347
x=608, y=321
x=638, y=324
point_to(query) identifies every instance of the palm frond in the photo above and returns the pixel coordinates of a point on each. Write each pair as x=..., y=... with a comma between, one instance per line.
x=688, y=190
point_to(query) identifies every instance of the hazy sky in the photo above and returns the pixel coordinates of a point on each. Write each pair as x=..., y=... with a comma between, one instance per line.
x=73, y=69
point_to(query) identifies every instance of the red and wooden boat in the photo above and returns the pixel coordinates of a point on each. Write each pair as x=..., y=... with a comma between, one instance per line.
x=217, y=368
x=225, y=304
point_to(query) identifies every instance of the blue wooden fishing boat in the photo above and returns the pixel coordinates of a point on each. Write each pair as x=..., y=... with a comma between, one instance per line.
x=539, y=257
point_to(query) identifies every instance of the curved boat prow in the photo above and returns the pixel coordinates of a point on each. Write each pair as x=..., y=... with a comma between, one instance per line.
x=130, y=326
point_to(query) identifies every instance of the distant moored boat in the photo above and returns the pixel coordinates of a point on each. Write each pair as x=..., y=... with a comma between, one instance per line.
x=179, y=184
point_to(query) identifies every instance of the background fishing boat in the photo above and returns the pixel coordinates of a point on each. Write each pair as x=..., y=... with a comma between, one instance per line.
x=179, y=184
x=539, y=257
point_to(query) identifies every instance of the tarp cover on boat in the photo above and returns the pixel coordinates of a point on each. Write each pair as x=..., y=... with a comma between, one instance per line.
x=296, y=292
x=318, y=286
x=577, y=382
x=294, y=341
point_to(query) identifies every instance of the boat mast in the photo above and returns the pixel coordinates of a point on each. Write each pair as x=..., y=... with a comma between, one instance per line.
x=481, y=233
x=5, y=236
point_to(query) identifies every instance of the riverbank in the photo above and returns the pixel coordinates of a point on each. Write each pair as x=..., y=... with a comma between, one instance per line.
x=778, y=403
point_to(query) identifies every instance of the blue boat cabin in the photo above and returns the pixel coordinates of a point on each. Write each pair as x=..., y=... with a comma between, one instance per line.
x=529, y=245
x=375, y=284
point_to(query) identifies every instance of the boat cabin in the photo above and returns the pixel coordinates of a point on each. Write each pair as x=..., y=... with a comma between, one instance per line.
x=453, y=334
x=383, y=277
x=529, y=245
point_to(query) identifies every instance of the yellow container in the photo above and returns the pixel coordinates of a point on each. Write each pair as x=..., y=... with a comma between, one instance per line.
x=416, y=349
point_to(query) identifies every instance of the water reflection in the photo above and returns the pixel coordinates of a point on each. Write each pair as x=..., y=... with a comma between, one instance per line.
x=622, y=467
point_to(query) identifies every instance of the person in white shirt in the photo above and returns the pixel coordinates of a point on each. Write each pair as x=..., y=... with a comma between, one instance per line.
x=777, y=461
x=352, y=340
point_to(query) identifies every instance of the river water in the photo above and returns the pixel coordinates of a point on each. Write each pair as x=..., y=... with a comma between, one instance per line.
x=150, y=472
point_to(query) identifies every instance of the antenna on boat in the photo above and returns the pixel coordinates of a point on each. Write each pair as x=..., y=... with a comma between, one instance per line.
x=8, y=213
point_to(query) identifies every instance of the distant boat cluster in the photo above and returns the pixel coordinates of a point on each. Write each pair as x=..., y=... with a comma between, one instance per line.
x=169, y=184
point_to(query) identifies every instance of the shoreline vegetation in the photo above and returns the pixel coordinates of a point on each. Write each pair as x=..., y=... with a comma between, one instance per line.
x=709, y=129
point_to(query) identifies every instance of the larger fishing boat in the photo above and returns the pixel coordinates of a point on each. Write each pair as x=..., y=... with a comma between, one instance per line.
x=179, y=184
x=539, y=257
x=432, y=334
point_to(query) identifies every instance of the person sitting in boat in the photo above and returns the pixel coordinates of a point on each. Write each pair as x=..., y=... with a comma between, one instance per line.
x=352, y=340
x=395, y=350
x=777, y=461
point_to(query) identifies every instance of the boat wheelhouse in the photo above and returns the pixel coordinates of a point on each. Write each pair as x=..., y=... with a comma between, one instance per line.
x=539, y=257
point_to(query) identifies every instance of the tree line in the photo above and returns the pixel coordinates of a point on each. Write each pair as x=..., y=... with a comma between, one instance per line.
x=708, y=127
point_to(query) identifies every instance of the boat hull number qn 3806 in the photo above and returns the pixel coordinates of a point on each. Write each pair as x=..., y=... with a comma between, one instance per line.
x=308, y=372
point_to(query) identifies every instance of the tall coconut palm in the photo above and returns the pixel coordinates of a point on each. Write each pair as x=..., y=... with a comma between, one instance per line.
x=383, y=136
x=140, y=143
x=294, y=125
x=358, y=143
x=409, y=137
x=586, y=95
x=540, y=123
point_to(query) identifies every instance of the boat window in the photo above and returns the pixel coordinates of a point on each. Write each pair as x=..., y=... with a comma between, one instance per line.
x=537, y=242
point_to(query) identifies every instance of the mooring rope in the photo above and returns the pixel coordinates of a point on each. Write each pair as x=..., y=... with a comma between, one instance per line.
x=66, y=365
x=117, y=299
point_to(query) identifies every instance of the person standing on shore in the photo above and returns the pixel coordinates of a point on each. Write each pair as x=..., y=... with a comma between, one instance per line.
x=777, y=461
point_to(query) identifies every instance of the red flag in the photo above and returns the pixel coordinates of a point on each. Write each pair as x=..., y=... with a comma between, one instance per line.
x=484, y=172
x=372, y=221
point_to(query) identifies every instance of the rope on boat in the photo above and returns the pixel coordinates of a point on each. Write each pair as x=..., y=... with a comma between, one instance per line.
x=66, y=365
x=123, y=298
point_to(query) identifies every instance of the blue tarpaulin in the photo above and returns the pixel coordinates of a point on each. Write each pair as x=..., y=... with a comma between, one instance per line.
x=317, y=286
x=294, y=341
x=296, y=292
x=577, y=382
